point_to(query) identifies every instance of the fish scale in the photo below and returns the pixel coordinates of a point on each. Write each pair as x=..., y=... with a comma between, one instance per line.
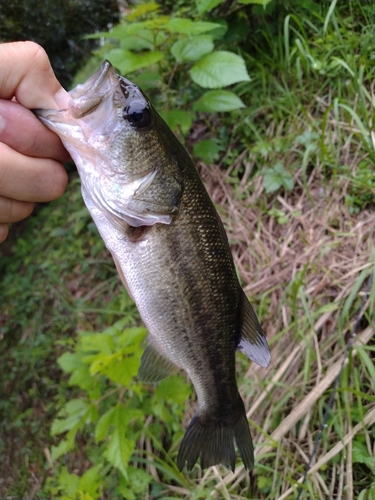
x=171, y=251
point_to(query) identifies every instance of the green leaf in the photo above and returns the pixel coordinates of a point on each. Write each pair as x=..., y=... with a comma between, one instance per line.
x=142, y=10
x=105, y=421
x=74, y=412
x=131, y=337
x=69, y=362
x=214, y=101
x=219, y=69
x=207, y=5
x=117, y=367
x=173, y=389
x=102, y=342
x=219, y=33
x=82, y=378
x=178, y=119
x=119, y=450
x=127, y=62
x=64, y=446
x=255, y=2
x=158, y=23
x=91, y=480
x=143, y=40
x=189, y=27
x=192, y=49
x=277, y=177
x=68, y=482
x=138, y=42
x=148, y=80
x=208, y=150
x=360, y=455
x=138, y=481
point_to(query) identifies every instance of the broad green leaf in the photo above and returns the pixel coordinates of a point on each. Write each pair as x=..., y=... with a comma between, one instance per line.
x=119, y=32
x=132, y=337
x=189, y=27
x=219, y=32
x=178, y=119
x=208, y=150
x=70, y=415
x=148, y=80
x=127, y=62
x=123, y=416
x=69, y=362
x=91, y=480
x=192, y=49
x=174, y=389
x=141, y=10
x=161, y=411
x=82, y=378
x=124, y=370
x=68, y=482
x=64, y=446
x=118, y=451
x=143, y=40
x=105, y=421
x=207, y=5
x=136, y=484
x=117, y=328
x=134, y=42
x=102, y=342
x=361, y=455
x=214, y=101
x=118, y=367
x=219, y=69
x=158, y=23
x=255, y=2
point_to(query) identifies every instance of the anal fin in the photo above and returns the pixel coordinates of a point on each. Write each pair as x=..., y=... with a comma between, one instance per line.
x=253, y=342
x=154, y=366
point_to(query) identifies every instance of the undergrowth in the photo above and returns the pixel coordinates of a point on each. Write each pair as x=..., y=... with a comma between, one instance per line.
x=289, y=163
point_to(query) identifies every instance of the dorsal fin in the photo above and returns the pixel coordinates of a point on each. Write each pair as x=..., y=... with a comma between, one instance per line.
x=154, y=366
x=253, y=342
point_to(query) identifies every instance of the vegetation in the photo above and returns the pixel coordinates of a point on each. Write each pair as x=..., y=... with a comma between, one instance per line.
x=58, y=25
x=289, y=161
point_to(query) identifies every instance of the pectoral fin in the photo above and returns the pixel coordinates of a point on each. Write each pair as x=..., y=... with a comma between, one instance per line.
x=154, y=366
x=253, y=342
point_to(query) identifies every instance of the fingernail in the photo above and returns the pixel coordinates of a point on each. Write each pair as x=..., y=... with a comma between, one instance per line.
x=62, y=98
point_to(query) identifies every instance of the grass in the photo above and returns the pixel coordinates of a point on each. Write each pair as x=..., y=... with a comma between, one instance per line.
x=304, y=254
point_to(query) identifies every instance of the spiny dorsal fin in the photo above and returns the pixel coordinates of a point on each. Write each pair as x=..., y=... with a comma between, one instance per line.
x=253, y=342
x=154, y=366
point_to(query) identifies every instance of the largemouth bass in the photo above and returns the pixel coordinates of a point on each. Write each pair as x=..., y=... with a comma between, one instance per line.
x=172, y=253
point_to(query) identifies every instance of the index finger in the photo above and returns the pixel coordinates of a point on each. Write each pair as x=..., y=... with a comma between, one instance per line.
x=27, y=75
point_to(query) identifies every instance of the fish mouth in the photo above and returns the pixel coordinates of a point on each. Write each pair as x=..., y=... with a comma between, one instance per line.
x=88, y=96
x=95, y=82
x=77, y=118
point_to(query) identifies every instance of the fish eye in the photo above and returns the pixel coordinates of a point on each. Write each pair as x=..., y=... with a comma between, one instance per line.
x=137, y=114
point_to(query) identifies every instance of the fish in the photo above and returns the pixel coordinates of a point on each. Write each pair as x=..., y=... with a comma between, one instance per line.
x=171, y=251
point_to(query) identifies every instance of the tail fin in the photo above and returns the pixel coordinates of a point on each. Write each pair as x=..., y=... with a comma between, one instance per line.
x=212, y=439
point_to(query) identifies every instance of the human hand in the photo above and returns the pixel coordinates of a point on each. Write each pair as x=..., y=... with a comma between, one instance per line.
x=30, y=154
